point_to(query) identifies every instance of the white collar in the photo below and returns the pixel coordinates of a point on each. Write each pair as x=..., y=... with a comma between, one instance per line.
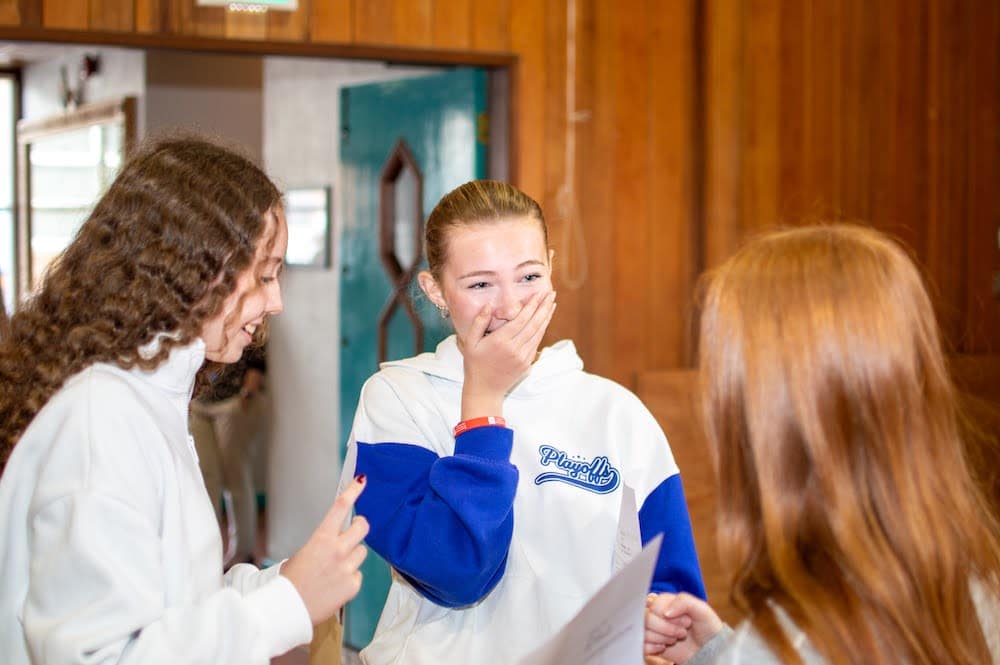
x=177, y=373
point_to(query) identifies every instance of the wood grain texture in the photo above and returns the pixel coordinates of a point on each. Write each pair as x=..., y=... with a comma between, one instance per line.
x=291, y=26
x=66, y=14
x=10, y=12
x=158, y=17
x=859, y=111
x=724, y=131
x=593, y=324
x=451, y=24
x=373, y=21
x=201, y=21
x=707, y=122
x=982, y=305
x=412, y=22
x=491, y=25
x=672, y=257
x=245, y=25
x=114, y=15
x=630, y=90
x=671, y=396
x=30, y=13
x=332, y=21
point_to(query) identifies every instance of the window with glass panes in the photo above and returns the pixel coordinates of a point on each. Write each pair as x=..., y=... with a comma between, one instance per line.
x=8, y=119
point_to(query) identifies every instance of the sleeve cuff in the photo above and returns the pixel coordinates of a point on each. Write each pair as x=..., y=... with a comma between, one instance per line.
x=491, y=442
x=279, y=608
x=713, y=648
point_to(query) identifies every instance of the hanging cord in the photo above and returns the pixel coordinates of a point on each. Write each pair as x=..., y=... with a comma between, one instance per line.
x=572, y=239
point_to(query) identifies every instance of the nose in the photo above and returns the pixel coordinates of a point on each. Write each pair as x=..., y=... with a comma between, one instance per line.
x=508, y=305
x=274, y=304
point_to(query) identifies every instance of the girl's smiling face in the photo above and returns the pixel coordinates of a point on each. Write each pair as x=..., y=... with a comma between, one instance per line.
x=257, y=296
x=496, y=263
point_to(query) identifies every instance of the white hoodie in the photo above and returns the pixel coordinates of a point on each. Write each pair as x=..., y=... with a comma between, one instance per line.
x=539, y=512
x=110, y=549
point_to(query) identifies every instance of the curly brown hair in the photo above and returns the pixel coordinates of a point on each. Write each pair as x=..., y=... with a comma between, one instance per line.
x=159, y=253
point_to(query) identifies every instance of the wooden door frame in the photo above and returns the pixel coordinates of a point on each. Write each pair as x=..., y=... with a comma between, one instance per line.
x=503, y=68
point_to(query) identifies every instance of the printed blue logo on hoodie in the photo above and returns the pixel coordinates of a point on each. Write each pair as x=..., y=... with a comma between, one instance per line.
x=596, y=475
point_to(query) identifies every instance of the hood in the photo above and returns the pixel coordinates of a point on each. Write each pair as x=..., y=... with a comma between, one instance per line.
x=446, y=363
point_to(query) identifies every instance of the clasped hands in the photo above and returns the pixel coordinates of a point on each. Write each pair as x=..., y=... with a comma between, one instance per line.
x=677, y=626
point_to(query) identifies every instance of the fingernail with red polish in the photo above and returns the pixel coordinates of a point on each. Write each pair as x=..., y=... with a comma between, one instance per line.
x=360, y=477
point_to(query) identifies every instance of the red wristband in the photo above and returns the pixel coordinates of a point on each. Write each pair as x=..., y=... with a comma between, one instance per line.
x=483, y=421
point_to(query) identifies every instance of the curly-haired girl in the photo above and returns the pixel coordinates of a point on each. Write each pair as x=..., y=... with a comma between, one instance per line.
x=109, y=550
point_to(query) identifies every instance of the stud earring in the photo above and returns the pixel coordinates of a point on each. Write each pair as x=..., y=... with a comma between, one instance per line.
x=443, y=311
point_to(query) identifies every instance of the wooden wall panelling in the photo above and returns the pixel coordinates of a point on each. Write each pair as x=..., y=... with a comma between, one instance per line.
x=332, y=21
x=632, y=122
x=245, y=25
x=593, y=305
x=291, y=26
x=538, y=33
x=723, y=70
x=982, y=305
x=412, y=22
x=789, y=180
x=671, y=396
x=158, y=17
x=762, y=73
x=946, y=118
x=537, y=103
x=673, y=260
x=373, y=21
x=10, y=12
x=883, y=111
x=821, y=150
x=905, y=174
x=858, y=178
x=202, y=21
x=113, y=15
x=30, y=12
x=573, y=244
x=451, y=24
x=66, y=14
x=491, y=25
x=148, y=16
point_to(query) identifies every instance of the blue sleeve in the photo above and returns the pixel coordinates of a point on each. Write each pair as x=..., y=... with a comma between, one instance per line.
x=665, y=511
x=444, y=523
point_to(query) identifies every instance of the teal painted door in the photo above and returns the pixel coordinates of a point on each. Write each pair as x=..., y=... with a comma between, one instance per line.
x=404, y=144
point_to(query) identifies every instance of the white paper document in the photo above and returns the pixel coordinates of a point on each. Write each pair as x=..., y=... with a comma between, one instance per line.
x=609, y=628
x=629, y=540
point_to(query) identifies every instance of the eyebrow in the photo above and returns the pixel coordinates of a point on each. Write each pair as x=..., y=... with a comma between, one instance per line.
x=522, y=264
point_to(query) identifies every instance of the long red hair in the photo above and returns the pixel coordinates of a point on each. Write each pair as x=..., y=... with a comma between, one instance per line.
x=845, y=495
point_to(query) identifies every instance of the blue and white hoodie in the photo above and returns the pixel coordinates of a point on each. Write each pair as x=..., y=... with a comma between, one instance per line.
x=498, y=537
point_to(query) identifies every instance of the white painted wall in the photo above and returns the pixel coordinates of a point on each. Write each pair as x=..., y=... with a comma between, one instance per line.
x=213, y=94
x=122, y=72
x=302, y=149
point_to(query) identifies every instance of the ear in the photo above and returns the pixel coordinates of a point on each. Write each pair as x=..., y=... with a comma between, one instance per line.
x=431, y=288
x=552, y=255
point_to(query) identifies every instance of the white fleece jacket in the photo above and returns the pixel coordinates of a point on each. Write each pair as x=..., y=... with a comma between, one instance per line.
x=110, y=551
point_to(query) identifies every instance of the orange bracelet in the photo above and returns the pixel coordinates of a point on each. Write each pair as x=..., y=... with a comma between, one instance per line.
x=482, y=421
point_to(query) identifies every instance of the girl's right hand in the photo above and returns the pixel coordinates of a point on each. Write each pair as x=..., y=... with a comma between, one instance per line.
x=677, y=626
x=325, y=571
x=494, y=363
